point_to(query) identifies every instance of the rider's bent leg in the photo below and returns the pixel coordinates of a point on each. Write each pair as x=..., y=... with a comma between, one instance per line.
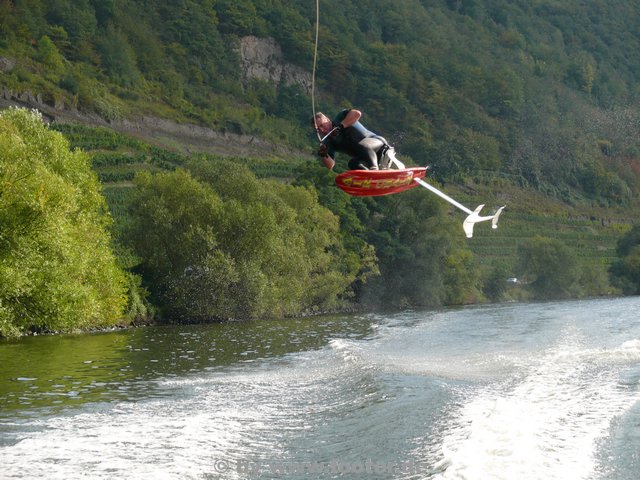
x=357, y=163
x=370, y=147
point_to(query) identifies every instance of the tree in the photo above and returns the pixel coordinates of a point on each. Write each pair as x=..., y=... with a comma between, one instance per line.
x=625, y=271
x=495, y=284
x=461, y=278
x=118, y=58
x=49, y=55
x=172, y=224
x=219, y=244
x=57, y=270
x=105, y=10
x=549, y=266
x=239, y=17
x=422, y=261
x=306, y=236
x=78, y=19
x=357, y=253
x=25, y=19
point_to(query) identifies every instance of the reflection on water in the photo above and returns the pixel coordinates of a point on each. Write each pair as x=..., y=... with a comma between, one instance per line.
x=55, y=371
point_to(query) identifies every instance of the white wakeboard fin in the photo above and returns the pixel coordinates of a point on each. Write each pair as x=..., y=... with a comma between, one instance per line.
x=475, y=217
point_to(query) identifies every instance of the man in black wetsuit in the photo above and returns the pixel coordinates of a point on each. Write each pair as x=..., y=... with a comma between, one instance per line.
x=347, y=135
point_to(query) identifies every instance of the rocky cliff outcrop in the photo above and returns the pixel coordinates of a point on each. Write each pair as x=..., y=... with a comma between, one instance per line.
x=262, y=58
x=7, y=64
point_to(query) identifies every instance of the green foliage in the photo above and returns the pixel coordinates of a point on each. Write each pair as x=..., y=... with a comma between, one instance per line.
x=422, y=260
x=353, y=213
x=305, y=230
x=57, y=271
x=118, y=58
x=600, y=183
x=222, y=245
x=49, y=55
x=594, y=280
x=289, y=24
x=138, y=309
x=70, y=83
x=483, y=85
x=549, y=266
x=105, y=10
x=78, y=20
x=239, y=17
x=421, y=256
x=625, y=271
x=495, y=284
x=190, y=29
x=628, y=241
x=581, y=73
x=172, y=217
x=94, y=138
x=462, y=278
x=504, y=91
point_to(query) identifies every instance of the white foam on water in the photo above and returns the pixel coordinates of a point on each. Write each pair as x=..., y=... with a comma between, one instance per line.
x=246, y=412
x=144, y=440
x=546, y=426
x=527, y=408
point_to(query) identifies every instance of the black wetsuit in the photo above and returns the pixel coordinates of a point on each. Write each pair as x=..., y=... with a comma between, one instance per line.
x=364, y=146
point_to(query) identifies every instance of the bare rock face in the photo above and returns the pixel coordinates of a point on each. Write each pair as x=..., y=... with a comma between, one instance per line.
x=262, y=58
x=7, y=64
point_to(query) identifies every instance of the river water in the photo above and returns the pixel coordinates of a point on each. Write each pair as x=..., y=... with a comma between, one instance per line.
x=517, y=391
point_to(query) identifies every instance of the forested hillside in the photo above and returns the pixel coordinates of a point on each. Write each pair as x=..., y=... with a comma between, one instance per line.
x=534, y=104
x=546, y=90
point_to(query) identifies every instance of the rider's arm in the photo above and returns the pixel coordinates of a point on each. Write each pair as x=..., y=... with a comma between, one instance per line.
x=328, y=162
x=325, y=156
x=352, y=117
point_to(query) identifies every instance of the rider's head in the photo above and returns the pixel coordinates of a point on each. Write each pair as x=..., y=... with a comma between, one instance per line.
x=321, y=123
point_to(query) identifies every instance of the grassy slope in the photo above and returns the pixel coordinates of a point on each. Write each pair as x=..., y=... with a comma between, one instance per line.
x=591, y=230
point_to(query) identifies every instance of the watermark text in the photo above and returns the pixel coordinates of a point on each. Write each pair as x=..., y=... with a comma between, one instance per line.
x=254, y=469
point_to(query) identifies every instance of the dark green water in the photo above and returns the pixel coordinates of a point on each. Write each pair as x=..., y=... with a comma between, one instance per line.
x=496, y=392
x=52, y=372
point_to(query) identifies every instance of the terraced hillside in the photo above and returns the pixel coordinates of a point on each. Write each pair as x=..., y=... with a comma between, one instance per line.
x=117, y=157
x=593, y=241
x=591, y=231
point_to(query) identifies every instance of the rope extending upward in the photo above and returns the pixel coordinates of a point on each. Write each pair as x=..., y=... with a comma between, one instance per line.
x=313, y=73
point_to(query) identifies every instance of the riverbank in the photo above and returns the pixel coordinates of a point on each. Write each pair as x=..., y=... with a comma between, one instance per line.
x=152, y=322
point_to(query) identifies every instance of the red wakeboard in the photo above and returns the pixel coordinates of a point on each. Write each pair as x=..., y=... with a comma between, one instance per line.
x=368, y=183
